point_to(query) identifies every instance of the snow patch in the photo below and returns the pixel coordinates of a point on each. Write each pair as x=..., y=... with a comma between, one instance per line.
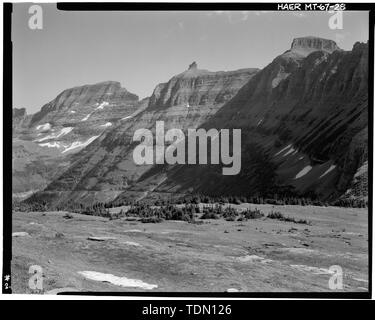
x=102, y=105
x=118, y=281
x=131, y=243
x=20, y=234
x=79, y=144
x=72, y=111
x=284, y=149
x=233, y=290
x=280, y=77
x=362, y=170
x=304, y=171
x=62, y=132
x=314, y=270
x=44, y=127
x=253, y=258
x=65, y=131
x=50, y=145
x=128, y=117
x=332, y=167
x=299, y=250
x=292, y=150
x=85, y=118
x=334, y=69
x=108, y=124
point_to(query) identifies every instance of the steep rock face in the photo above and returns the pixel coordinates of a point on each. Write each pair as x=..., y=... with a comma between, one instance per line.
x=19, y=114
x=304, y=133
x=196, y=87
x=186, y=101
x=307, y=45
x=78, y=115
x=20, y=120
x=74, y=119
x=73, y=103
x=354, y=178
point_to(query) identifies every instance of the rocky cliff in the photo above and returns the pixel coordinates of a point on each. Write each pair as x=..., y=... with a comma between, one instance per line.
x=44, y=142
x=307, y=45
x=20, y=120
x=106, y=168
x=196, y=87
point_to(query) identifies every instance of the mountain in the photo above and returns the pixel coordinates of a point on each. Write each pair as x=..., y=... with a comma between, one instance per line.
x=196, y=87
x=304, y=132
x=44, y=142
x=304, y=121
x=105, y=168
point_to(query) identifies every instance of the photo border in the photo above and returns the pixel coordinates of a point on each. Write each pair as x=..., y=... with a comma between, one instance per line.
x=116, y=6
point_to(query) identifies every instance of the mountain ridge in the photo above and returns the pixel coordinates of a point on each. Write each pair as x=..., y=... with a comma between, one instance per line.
x=304, y=124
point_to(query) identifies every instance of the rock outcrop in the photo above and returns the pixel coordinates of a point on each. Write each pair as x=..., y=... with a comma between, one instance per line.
x=20, y=120
x=307, y=45
x=196, y=87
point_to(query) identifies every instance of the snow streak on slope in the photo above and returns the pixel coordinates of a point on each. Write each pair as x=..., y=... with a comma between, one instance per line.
x=303, y=172
x=327, y=171
x=284, y=149
x=79, y=144
x=86, y=118
x=118, y=281
x=63, y=132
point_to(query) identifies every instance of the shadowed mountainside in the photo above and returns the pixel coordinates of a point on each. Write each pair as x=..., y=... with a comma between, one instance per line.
x=305, y=117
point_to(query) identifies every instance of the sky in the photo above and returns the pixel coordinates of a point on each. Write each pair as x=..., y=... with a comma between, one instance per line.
x=142, y=49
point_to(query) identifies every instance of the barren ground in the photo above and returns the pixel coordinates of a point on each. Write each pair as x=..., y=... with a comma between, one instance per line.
x=254, y=255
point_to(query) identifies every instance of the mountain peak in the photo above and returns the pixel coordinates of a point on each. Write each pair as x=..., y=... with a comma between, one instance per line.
x=193, y=66
x=19, y=112
x=307, y=45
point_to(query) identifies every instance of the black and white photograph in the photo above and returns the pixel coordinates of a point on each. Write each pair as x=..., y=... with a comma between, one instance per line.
x=173, y=151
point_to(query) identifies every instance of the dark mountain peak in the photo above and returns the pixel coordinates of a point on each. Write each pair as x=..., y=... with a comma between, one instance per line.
x=360, y=46
x=19, y=112
x=306, y=45
x=193, y=66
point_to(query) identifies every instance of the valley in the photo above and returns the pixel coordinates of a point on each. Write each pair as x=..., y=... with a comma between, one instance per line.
x=90, y=253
